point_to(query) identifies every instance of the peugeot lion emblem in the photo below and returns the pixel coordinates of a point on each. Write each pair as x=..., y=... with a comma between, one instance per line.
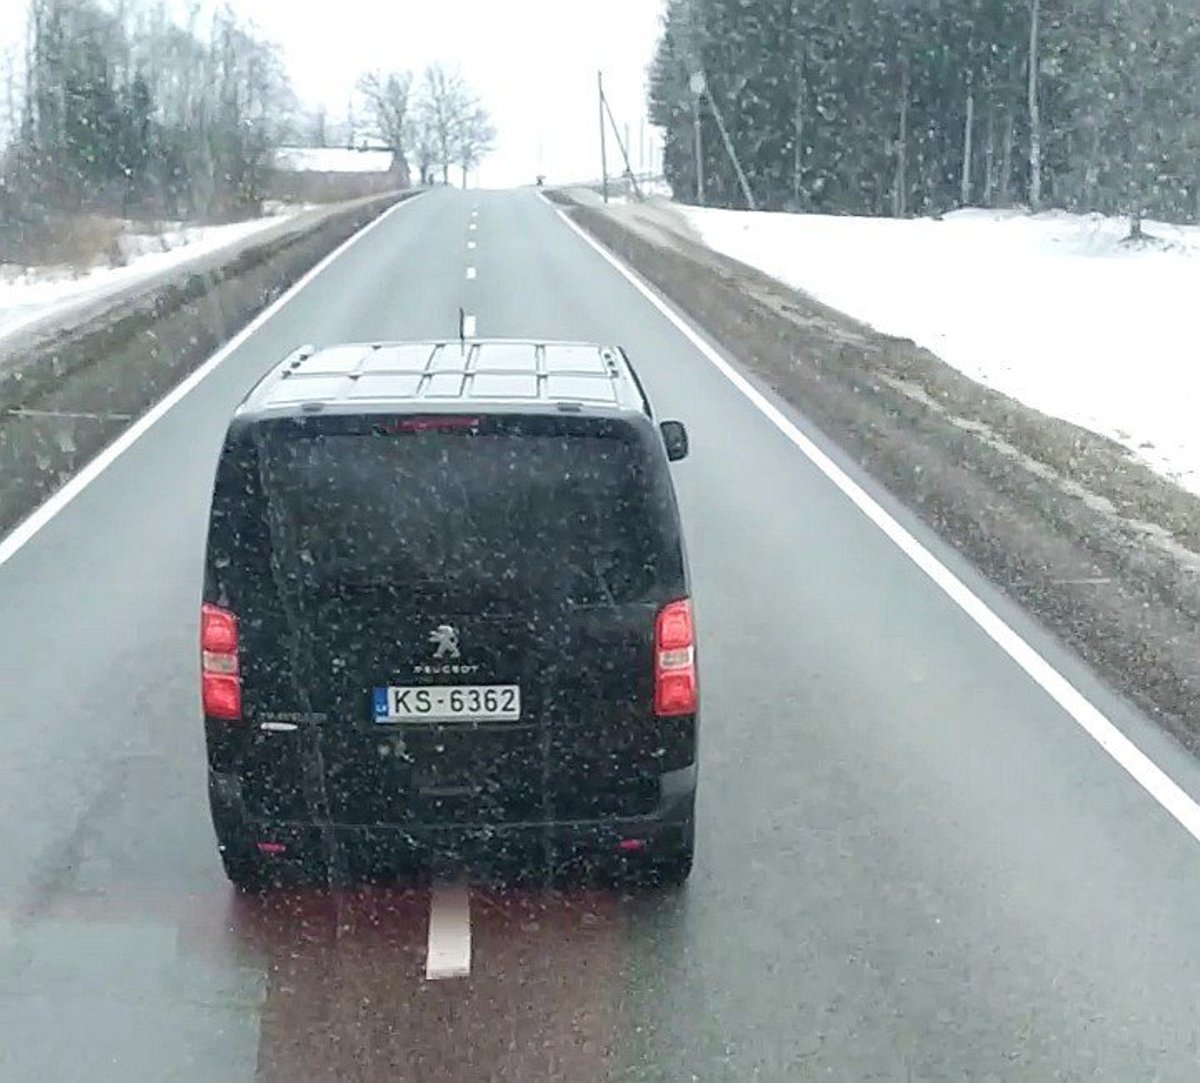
x=445, y=640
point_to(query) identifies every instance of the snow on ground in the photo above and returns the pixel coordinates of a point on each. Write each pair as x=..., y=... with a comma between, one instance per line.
x=1051, y=309
x=657, y=188
x=28, y=294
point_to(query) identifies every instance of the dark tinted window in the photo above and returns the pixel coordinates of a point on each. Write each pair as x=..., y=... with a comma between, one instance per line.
x=505, y=515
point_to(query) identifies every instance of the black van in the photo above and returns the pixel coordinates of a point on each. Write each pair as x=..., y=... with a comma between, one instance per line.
x=446, y=618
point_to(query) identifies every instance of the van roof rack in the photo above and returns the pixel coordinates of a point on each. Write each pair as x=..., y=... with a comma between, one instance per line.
x=452, y=375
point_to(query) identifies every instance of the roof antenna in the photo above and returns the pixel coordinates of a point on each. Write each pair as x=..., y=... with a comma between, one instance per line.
x=462, y=329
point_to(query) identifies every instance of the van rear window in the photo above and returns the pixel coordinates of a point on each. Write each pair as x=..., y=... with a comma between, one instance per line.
x=505, y=514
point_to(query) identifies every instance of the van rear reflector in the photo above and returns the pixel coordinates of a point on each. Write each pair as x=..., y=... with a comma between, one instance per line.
x=220, y=686
x=675, y=685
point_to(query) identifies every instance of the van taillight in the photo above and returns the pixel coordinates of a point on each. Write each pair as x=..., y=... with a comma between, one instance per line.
x=439, y=423
x=674, y=660
x=220, y=686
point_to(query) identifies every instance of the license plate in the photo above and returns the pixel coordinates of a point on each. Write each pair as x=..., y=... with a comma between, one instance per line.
x=449, y=703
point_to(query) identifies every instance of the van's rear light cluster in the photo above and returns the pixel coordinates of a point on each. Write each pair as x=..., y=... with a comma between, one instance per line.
x=675, y=691
x=220, y=685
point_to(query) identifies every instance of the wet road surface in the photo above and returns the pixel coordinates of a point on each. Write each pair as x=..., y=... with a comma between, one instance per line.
x=912, y=864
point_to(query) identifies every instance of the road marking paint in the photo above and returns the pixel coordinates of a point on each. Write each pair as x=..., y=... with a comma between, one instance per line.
x=470, y=244
x=470, y=274
x=1152, y=778
x=25, y=530
x=468, y=327
x=449, y=951
x=472, y=227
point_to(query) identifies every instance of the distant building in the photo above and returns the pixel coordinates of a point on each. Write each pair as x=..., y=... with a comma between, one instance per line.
x=327, y=174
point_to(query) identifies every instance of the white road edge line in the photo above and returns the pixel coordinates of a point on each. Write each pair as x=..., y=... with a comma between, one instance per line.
x=25, y=530
x=1156, y=782
x=468, y=327
x=470, y=273
x=449, y=951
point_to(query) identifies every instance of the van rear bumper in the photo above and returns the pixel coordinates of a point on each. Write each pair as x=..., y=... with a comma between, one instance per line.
x=476, y=847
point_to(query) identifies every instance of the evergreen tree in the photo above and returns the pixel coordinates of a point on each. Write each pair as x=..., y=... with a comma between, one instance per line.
x=901, y=106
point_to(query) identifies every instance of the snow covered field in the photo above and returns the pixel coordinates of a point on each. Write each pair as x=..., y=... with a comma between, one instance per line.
x=27, y=294
x=1050, y=309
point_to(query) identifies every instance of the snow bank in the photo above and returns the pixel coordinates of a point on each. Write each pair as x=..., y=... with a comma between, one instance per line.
x=1052, y=309
x=29, y=294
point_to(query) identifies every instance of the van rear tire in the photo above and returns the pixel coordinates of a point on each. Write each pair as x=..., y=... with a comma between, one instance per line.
x=671, y=865
x=674, y=867
x=246, y=872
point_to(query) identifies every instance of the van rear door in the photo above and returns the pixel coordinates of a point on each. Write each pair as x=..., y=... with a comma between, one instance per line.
x=466, y=610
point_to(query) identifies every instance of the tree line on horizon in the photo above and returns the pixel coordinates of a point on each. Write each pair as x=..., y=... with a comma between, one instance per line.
x=899, y=107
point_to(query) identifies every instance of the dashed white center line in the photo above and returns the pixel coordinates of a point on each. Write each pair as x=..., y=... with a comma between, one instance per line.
x=470, y=244
x=471, y=227
x=449, y=952
x=468, y=327
x=470, y=273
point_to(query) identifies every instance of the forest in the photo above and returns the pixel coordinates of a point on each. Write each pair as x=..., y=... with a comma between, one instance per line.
x=117, y=110
x=902, y=107
x=124, y=111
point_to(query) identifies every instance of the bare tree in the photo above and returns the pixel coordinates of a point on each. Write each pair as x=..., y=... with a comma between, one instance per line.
x=10, y=77
x=444, y=98
x=387, y=96
x=253, y=105
x=475, y=138
x=422, y=141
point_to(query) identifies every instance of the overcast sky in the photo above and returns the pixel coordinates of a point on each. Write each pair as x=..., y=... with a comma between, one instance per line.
x=533, y=62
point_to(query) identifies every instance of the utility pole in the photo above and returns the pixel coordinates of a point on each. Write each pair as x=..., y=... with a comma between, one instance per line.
x=1035, y=120
x=697, y=85
x=900, y=191
x=622, y=146
x=737, y=165
x=603, y=136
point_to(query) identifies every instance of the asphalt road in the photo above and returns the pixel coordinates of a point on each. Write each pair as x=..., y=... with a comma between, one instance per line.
x=912, y=863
